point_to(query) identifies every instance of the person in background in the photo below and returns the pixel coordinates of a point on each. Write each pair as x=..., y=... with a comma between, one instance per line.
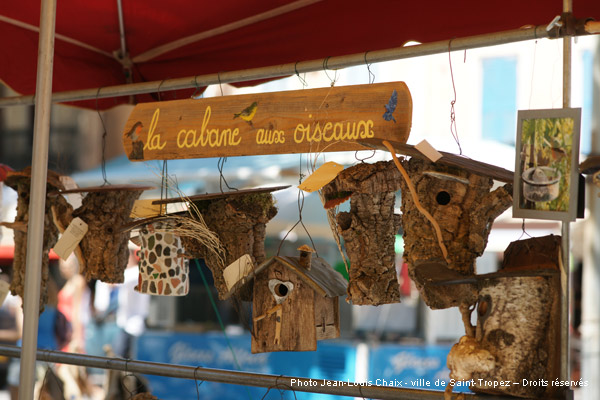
x=48, y=339
x=132, y=311
x=74, y=303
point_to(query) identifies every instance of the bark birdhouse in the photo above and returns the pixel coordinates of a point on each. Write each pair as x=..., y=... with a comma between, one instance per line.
x=293, y=306
x=239, y=220
x=21, y=182
x=369, y=230
x=105, y=209
x=164, y=269
x=518, y=325
x=464, y=207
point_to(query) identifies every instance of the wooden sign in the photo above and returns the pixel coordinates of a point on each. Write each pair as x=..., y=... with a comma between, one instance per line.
x=300, y=121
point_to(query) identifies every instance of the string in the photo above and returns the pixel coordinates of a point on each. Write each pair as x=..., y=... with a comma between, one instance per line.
x=220, y=164
x=325, y=68
x=218, y=314
x=281, y=387
x=362, y=160
x=532, y=73
x=196, y=382
x=371, y=78
x=164, y=186
x=127, y=373
x=196, y=95
x=302, y=80
x=453, y=129
x=300, y=208
x=524, y=232
x=104, y=134
x=158, y=90
x=220, y=84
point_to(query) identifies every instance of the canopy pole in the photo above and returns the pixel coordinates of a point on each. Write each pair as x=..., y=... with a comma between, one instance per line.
x=565, y=370
x=391, y=389
x=275, y=71
x=37, y=202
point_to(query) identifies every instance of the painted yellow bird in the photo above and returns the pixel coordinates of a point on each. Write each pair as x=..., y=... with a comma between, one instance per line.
x=247, y=113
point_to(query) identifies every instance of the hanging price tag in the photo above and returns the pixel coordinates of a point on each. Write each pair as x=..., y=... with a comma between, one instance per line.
x=70, y=238
x=145, y=208
x=237, y=270
x=321, y=177
x=428, y=151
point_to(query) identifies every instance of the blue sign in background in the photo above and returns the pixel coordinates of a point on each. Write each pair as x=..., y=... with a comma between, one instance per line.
x=418, y=367
x=333, y=360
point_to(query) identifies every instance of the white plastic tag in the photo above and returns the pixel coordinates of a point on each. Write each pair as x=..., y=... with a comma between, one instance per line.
x=70, y=238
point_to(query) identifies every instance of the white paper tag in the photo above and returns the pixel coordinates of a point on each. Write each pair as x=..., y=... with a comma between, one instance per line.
x=70, y=238
x=237, y=270
x=428, y=151
x=4, y=288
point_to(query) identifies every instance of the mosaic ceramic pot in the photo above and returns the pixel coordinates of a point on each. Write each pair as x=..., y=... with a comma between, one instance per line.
x=163, y=267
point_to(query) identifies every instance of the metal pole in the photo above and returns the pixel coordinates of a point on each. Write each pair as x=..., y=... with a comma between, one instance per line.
x=37, y=202
x=565, y=370
x=297, y=384
x=491, y=39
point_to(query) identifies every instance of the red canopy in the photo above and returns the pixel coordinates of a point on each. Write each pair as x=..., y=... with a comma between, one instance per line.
x=232, y=35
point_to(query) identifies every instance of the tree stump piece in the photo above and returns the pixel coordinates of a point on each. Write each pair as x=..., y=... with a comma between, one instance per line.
x=369, y=230
x=104, y=247
x=518, y=325
x=21, y=182
x=240, y=223
x=463, y=206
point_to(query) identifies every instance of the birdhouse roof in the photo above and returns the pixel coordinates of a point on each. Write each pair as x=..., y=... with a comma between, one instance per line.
x=323, y=279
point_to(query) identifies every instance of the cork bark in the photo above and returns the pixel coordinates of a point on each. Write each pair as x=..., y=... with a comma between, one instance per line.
x=369, y=230
x=518, y=323
x=21, y=182
x=104, y=247
x=464, y=206
x=240, y=223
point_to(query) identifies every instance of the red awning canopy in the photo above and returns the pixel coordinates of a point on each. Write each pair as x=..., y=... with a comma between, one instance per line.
x=173, y=39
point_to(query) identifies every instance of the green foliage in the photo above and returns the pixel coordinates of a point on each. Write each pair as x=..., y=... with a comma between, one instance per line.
x=549, y=142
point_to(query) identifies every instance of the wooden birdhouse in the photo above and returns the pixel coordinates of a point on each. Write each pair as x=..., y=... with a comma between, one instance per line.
x=464, y=207
x=21, y=182
x=293, y=306
x=518, y=324
x=369, y=230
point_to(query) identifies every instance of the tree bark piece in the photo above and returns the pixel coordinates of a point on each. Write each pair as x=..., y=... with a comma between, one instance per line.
x=240, y=223
x=104, y=247
x=463, y=206
x=518, y=325
x=369, y=230
x=21, y=182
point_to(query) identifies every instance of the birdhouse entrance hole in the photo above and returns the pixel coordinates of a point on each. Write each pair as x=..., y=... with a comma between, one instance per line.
x=281, y=290
x=443, y=198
